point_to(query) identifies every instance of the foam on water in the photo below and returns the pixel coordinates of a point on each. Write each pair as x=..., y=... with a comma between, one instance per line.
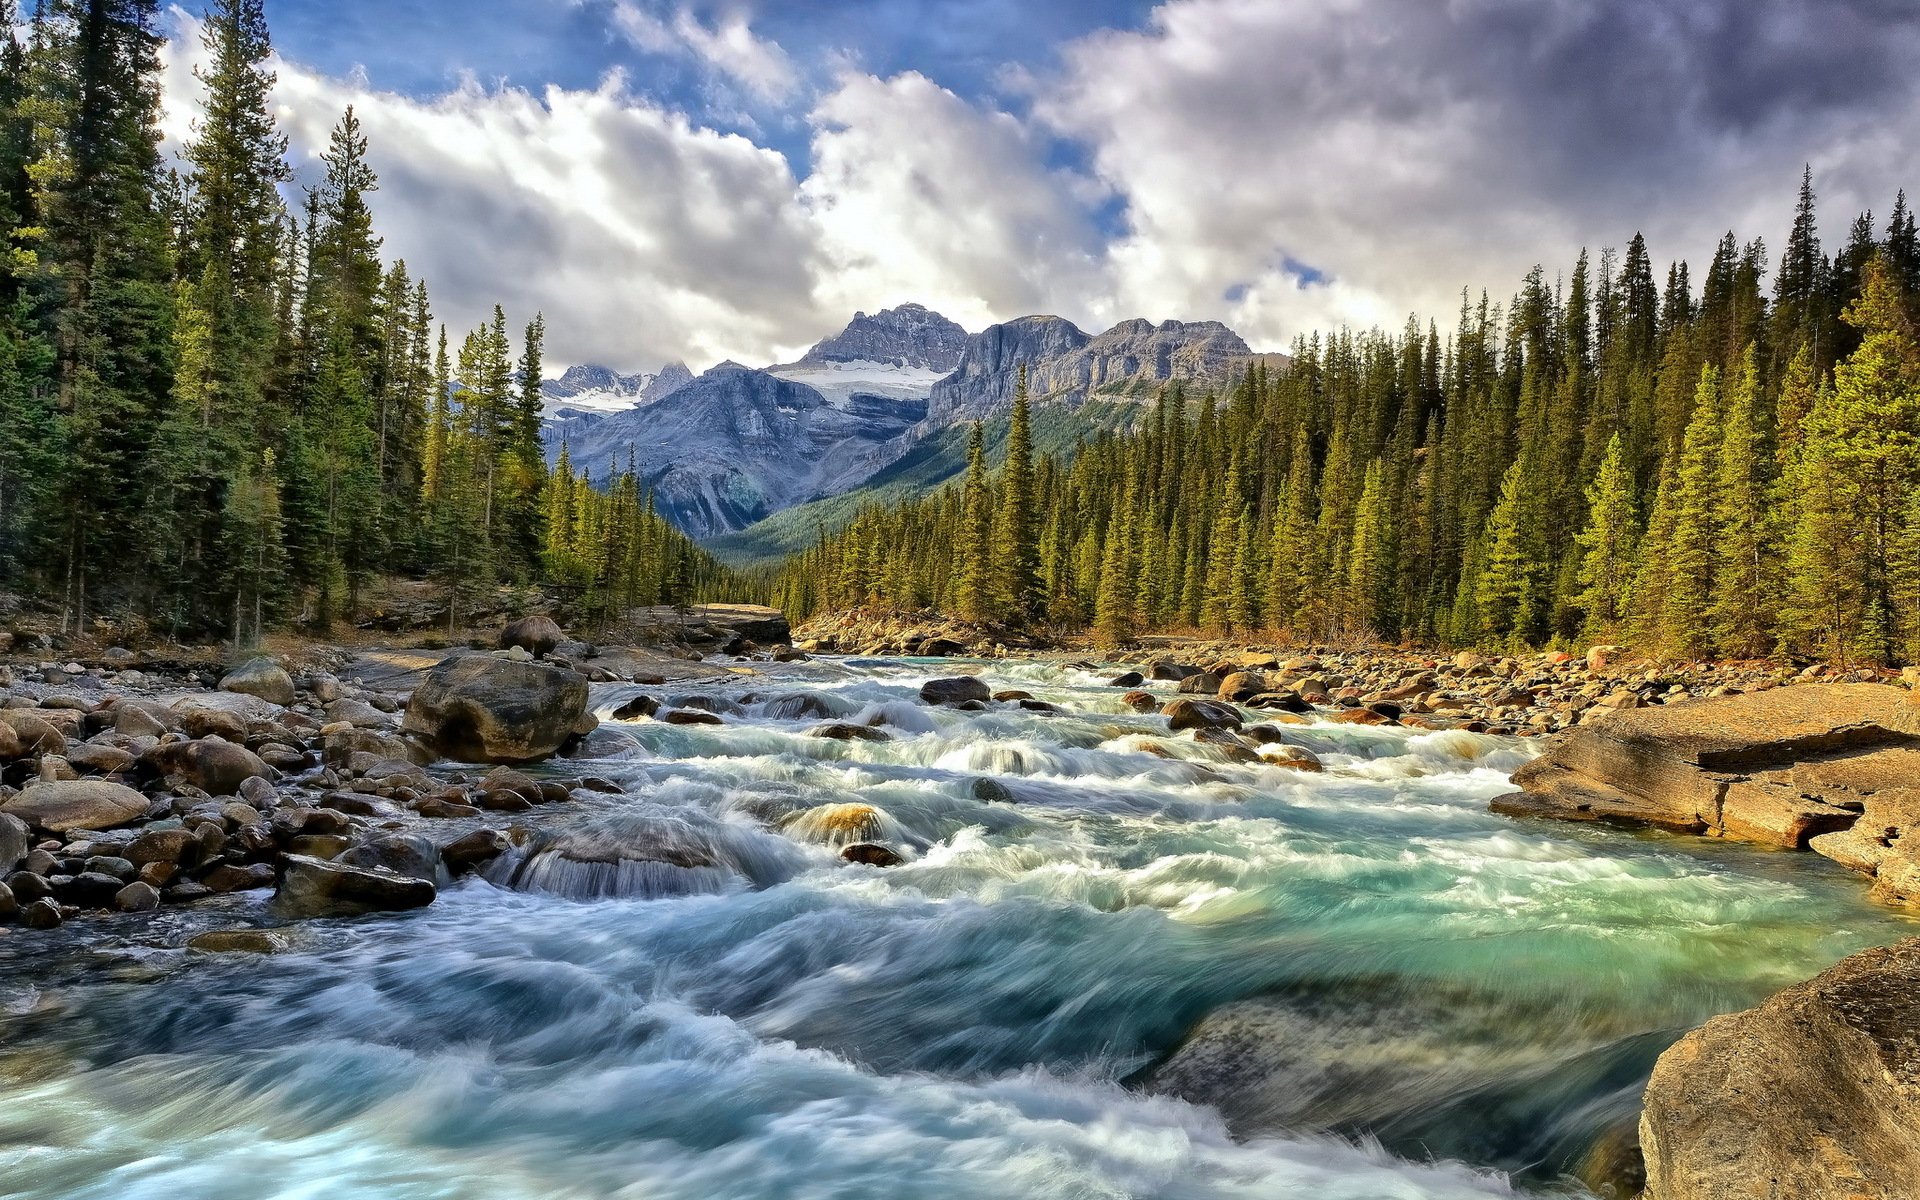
x=683, y=992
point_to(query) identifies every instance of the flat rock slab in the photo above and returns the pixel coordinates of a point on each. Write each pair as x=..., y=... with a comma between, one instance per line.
x=1785, y=767
x=1813, y=1095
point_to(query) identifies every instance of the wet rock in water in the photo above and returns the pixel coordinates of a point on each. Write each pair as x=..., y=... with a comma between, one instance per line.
x=41, y=914
x=214, y=765
x=644, y=856
x=639, y=706
x=1205, y=683
x=843, y=732
x=537, y=635
x=9, y=903
x=311, y=887
x=1814, y=1095
x=1141, y=702
x=993, y=791
x=960, y=689
x=469, y=853
x=871, y=854
x=76, y=804
x=1361, y=716
x=841, y=825
x=479, y=708
x=233, y=877
x=410, y=854
x=1011, y=696
x=1297, y=758
x=260, y=677
x=795, y=706
x=238, y=941
x=690, y=716
x=1781, y=767
x=16, y=842
x=1167, y=671
x=137, y=897
x=1186, y=713
x=1127, y=679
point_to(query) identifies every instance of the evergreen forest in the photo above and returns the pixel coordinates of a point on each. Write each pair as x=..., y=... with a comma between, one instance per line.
x=1725, y=466
x=221, y=411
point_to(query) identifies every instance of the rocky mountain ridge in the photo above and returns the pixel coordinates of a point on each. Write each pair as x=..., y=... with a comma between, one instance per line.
x=738, y=444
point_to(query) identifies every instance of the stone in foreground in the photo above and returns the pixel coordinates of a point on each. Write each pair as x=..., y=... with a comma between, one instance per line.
x=313, y=887
x=260, y=677
x=1814, y=1095
x=479, y=708
x=64, y=805
x=959, y=690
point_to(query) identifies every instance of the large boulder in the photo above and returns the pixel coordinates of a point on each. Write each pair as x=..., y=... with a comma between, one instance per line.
x=537, y=635
x=260, y=677
x=1781, y=767
x=312, y=887
x=1187, y=713
x=214, y=765
x=959, y=690
x=64, y=805
x=480, y=708
x=1814, y=1095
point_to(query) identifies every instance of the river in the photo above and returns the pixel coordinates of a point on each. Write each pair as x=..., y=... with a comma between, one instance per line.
x=1435, y=1002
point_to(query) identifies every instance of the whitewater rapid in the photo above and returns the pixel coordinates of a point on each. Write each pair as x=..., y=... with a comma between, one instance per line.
x=1443, y=1003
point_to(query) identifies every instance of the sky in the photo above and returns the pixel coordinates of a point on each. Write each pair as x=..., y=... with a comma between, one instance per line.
x=732, y=179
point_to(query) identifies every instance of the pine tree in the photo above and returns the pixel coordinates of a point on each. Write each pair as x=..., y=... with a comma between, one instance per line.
x=1743, y=615
x=1016, y=549
x=973, y=566
x=1608, y=547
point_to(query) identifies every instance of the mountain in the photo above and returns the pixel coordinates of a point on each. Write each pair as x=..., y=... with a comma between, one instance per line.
x=737, y=444
x=1066, y=364
x=589, y=388
x=908, y=336
x=875, y=411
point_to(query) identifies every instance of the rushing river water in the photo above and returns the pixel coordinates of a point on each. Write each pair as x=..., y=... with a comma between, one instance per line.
x=1432, y=1001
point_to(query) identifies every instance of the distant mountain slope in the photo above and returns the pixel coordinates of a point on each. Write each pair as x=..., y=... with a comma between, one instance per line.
x=737, y=444
x=1064, y=363
x=876, y=407
x=931, y=463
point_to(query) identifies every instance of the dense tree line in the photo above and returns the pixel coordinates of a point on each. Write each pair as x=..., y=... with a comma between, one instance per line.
x=1730, y=470
x=217, y=413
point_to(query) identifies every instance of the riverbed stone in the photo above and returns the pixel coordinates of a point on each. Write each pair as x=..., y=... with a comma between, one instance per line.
x=238, y=941
x=480, y=708
x=260, y=677
x=959, y=689
x=538, y=635
x=41, y=914
x=79, y=804
x=137, y=897
x=214, y=765
x=1188, y=713
x=16, y=842
x=1781, y=767
x=311, y=887
x=1814, y=1094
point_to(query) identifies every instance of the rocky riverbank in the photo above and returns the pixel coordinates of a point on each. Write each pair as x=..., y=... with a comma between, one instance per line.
x=133, y=783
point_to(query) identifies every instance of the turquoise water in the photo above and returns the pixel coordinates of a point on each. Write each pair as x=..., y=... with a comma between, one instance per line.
x=1452, y=1004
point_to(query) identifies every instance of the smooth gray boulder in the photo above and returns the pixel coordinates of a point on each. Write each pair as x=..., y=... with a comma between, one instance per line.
x=63, y=805
x=482, y=708
x=260, y=677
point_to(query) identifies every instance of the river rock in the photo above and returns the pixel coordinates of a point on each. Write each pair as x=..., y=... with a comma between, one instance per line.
x=1127, y=679
x=15, y=841
x=472, y=851
x=214, y=765
x=260, y=677
x=1141, y=702
x=34, y=736
x=41, y=914
x=1749, y=767
x=1813, y=1095
x=410, y=854
x=480, y=708
x=846, y=732
x=238, y=941
x=537, y=635
x=1243, y=685
x=958, y=690
x=76, y=804
x=137, y=897
x=1188, y=713
x=1206, y=683
x=310, y=887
